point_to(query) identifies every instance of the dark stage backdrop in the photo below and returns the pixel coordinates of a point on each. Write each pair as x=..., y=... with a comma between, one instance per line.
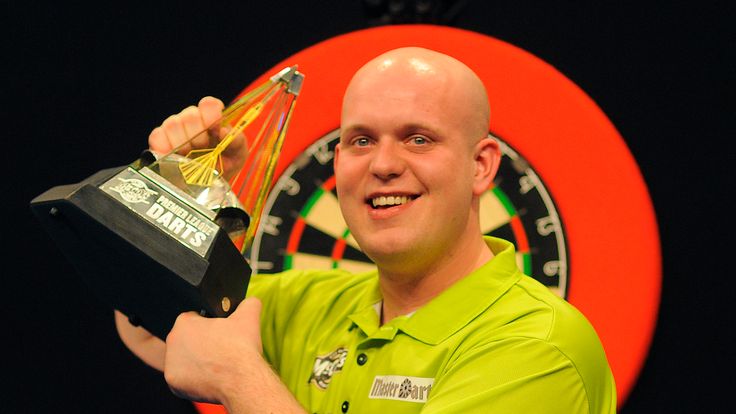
x=84, y=85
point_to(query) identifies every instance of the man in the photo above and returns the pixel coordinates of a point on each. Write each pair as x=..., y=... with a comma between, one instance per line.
x=447, y=323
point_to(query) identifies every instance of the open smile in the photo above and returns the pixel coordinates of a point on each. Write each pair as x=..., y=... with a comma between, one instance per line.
x=388, y=201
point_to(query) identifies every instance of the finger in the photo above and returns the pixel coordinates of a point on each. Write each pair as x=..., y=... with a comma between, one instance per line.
x=247, y=317
x=188, y=316
x=248, y=313
x=235, y=154
x=211, y=110
x=248, y=308
x=194, y=127
x=176, y=134
x=158, y=142
x=232, y=164
x=185, y=324
x=237, y=146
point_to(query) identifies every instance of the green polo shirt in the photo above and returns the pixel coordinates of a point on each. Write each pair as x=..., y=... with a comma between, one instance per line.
x=496, y=341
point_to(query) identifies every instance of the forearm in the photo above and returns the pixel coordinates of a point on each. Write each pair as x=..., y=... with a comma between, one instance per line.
x=261, y=392
x=142, y=343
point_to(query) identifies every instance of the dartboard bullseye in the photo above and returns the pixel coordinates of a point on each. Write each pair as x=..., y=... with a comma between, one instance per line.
x=302, y=227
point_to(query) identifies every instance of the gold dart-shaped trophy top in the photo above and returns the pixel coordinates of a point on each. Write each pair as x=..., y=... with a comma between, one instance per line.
x=260, y=117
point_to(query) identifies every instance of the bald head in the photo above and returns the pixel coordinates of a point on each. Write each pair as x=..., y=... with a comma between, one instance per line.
x=430, y=75
x=413, y=160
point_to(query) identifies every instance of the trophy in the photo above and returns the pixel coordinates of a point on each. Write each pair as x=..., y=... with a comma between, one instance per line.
x=168, y=233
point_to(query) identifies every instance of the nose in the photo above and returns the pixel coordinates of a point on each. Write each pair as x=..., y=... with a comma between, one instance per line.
x=386, y=160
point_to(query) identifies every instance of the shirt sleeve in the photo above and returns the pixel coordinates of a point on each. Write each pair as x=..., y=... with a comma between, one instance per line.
x=513, y=375
x=284, y=295
x=276, y=293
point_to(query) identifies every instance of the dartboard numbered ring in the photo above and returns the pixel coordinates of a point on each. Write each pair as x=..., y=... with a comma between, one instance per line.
x=587, y=217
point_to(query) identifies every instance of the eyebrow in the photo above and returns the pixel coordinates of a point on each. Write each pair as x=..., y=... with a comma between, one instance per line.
x=420, y=127
x=360, y=128
x=365, y=129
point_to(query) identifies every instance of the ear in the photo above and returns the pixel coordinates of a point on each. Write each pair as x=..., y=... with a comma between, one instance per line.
x=337, y=155
x=487, y=157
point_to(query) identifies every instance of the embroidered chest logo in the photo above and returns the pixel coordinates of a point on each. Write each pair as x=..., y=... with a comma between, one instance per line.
x=326, y=366
x=401, y=388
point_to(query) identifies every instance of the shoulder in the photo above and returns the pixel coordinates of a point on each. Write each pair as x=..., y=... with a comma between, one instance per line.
x=545, y=332
x=294, y=285
x=549, y=318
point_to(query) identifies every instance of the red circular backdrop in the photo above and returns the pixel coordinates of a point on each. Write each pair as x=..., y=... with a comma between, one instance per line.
x=610, y=226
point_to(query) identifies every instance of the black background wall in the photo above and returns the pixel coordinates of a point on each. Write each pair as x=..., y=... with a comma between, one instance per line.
x=83, y=86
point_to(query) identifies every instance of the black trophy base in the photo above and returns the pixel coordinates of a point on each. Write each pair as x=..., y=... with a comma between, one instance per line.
x=136, y=267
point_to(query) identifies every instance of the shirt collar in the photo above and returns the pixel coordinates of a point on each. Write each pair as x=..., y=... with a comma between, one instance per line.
x=366, y=318
x=452, y=309
x=467, y=298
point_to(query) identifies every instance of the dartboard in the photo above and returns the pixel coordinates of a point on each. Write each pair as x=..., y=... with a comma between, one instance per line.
x=568, y=193
x=302, y=227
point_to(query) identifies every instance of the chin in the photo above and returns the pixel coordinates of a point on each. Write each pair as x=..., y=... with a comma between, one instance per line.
x=386, y=250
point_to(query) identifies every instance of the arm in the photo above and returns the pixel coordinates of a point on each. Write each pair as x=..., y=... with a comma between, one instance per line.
x=220, y=360
x=215, y=360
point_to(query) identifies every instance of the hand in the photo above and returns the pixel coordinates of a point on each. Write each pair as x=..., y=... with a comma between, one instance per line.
x=143, y=344
x=177, y=129
x=208, y=358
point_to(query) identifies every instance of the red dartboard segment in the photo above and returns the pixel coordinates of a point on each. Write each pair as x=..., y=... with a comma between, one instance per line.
x=296, y=235
x=611, y=229
x=329, y=184
x=338, y=249
x=522, y=244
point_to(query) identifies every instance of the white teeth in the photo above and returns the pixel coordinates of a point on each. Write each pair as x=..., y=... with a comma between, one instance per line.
x=389, y=201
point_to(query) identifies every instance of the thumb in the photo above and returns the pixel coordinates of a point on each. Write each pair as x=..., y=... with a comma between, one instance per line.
x=248, y=318
x=249, y=310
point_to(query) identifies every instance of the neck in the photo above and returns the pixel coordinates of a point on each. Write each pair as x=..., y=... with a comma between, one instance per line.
x=404, y=292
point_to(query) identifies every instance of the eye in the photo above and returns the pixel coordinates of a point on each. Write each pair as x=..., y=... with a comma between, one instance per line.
x=361, y=142
x=419, y=140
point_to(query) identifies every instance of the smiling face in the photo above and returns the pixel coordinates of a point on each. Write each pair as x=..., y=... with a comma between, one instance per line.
x=413, y=158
